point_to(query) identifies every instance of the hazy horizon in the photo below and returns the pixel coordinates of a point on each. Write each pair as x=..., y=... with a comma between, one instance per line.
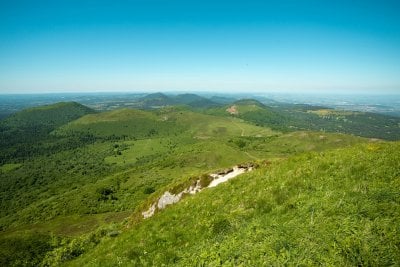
x=209, y=92
x=227, y=47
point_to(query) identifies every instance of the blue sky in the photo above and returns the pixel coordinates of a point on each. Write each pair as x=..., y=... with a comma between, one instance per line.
x=233, y=46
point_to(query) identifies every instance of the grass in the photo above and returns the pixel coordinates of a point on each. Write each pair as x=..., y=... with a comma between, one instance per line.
x=130, y=152
x=70, y=226
x=73, y=197
x=10, y=166
x=337, y=208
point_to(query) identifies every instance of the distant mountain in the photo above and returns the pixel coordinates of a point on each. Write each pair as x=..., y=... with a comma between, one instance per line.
x=266, y=101
x=195, y=101
x=155, y=100
x=159, y=100
x=188, y=98
x=222, y=99
x=249, y=102
x=153, y=96
x=254, y=111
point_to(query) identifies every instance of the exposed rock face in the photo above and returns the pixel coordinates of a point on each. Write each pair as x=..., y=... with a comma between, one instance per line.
x=225, y=177
x=193, y=189
x=150, y=212
x=220, y=177
x=167, y=199
x=232, y=110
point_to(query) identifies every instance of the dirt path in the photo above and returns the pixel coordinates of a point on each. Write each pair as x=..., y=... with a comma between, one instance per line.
x=240, y=127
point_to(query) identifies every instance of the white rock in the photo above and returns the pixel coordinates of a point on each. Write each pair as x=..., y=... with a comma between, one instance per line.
x=150, y=212
x=168, y=199
x=225, y=177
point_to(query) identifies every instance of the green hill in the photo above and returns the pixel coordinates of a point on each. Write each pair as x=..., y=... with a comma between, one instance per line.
x=194, y=101
x=120, y=124
x=160, y=100
x=155, y=100
x=222, y=99
x=285, y=117
x=337, y=208
x=48, y=117
x=21, y=133
x=188, y=98
x=254, y=112
x=136, y=124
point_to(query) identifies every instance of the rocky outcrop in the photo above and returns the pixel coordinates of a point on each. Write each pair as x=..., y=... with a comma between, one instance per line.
x=203, y=182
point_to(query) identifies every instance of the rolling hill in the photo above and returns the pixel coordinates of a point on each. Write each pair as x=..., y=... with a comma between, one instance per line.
x=81, y=183
x=49, y=116
x=22, y=133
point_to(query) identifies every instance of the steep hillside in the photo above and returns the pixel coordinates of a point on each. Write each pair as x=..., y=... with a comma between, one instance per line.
x=337, y=208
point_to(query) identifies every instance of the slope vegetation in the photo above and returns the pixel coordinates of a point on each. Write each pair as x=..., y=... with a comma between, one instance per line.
x=75, y=185
x=337, y=208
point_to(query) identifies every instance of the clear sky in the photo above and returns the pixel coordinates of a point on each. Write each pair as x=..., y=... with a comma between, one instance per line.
x=162, y=45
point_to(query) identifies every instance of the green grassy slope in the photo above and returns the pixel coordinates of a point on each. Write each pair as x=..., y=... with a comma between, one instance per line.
x=340, y=208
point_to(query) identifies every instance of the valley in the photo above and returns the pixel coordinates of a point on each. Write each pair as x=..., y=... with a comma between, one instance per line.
x=76, y=181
